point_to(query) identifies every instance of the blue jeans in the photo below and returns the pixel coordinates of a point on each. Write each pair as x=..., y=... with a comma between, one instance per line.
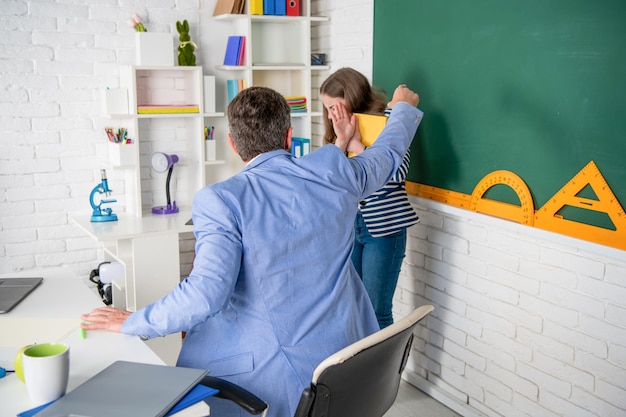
x=378, y=261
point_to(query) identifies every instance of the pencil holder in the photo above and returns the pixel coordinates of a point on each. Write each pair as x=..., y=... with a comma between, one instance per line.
x=210, y=150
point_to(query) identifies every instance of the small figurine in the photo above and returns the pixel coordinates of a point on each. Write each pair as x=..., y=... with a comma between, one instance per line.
x=186, y=56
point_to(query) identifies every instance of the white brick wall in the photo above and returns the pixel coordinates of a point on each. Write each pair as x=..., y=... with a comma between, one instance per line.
x=527, y=323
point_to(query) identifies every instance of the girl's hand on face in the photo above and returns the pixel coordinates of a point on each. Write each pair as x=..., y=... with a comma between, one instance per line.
x=344, y=124
x=355, y=145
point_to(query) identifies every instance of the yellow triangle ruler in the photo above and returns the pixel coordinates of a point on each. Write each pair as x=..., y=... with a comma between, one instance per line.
x=548, y=218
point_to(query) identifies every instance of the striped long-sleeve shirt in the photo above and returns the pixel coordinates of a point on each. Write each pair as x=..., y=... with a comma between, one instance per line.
x=388, y=210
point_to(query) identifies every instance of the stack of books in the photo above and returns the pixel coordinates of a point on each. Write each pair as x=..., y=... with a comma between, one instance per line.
x=297, y=104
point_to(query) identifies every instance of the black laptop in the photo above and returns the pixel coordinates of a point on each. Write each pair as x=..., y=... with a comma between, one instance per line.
x=14, y=290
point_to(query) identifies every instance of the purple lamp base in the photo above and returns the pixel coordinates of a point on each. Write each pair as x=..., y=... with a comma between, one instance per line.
x=169, y=209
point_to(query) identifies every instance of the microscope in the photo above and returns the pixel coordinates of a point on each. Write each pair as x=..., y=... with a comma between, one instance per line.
x=102, y=214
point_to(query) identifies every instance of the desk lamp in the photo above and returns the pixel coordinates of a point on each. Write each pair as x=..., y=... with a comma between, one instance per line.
x=162, y=162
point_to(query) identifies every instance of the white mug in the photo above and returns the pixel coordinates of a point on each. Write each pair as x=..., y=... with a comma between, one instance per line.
x=46, y=369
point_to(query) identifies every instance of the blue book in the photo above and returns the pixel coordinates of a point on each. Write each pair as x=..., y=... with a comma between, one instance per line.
x=296, y=147
x=231, y=57
x=232, y=88
x=280, y=7
x=268, y=7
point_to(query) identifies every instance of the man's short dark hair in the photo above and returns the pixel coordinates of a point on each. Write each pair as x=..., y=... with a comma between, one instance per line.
x=258, y=118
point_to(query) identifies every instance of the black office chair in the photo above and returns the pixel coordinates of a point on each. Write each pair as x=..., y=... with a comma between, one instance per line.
x=361, y=380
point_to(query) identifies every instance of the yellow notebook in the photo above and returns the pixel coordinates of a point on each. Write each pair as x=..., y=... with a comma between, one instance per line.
x=370, y=127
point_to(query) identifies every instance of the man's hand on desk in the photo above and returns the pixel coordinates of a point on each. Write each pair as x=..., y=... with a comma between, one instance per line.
x=107, y=318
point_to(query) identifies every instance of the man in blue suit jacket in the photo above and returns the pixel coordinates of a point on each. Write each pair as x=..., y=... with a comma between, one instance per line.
x=273, y=290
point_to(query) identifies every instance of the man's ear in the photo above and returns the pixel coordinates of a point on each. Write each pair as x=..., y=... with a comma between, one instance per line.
x=288, y=138
x=232, y=143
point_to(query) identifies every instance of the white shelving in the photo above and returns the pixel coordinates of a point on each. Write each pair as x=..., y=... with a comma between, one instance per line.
x=173, y=133
x=278, y=55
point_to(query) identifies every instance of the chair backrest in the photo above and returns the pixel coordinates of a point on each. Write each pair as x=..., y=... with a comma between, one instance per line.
x=362, y=379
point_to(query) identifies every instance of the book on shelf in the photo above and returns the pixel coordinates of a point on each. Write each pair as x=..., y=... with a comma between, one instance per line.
x=242, y=49
x=231, y=56
x=280, y=7
x=233, y=87
x=167, y=108
x=370, y=126
x=300, y=146
x=293, y=7
x=228, y=7
x=268, y=7
x=256, y=7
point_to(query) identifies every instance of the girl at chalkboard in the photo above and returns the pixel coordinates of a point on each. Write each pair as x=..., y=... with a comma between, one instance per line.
x=383, y=217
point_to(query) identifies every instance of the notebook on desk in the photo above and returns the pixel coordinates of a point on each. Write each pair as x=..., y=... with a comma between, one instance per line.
x=14, y=290
x=127, y=389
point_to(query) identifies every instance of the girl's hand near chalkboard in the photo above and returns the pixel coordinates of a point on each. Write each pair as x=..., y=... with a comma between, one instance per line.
x=403, y=93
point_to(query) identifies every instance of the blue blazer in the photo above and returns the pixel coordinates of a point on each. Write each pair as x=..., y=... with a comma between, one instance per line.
x=273, y=290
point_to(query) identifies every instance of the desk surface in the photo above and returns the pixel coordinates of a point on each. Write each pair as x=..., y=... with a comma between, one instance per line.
x=128, y=226
x=50, y=313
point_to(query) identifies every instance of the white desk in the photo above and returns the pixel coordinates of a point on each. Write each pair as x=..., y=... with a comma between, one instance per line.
x=51, y=313
x=148, y=248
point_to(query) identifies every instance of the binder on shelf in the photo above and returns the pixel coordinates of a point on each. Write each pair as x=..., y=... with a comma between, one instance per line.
x=167, y=108
x=231, y=56
x=296, y=147
x=232, y=89
x=268, y=7
x=305, y=145
x=293, y=7
x=280, y=7
x=256, y=6
x=209, y=93
x=370, y=126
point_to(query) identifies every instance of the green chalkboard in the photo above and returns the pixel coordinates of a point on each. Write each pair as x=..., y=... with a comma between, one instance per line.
x=536, y=87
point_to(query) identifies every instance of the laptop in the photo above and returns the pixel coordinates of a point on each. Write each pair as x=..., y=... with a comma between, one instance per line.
x=14, y=290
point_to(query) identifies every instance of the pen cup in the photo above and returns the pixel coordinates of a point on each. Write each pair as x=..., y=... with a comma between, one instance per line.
x=210, y=150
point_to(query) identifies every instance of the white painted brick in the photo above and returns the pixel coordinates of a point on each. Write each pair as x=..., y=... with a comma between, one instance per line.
x=494, y=256
x=531, y=407
x=8, y=235
x=513, y=244
x=548, y=273
x=615, y=274
x=445, y=272
x=564, y=371
x=493, y=353
x=613, y=394
x=601, y=368
x=492, y=321
x=463, y=353
x=465, y=262
x=493, y=289
x=459, y=381
x=514, y=280
x=554, y=348
x=441, y=331
x=549, y=311
x=572, y=262
x=514, y=380
x=576, y=339
x=544, y=380
x=603, y=330
x=457, y=321
x=445, y=360
x=563, y=406
x=426, y=248
x=603, y=290
x=449, y=389
x=502, y=407
x=576, y=300
x=617, y=355
x=449, y=241
x=594, y=404
x=464, y=229
x=444, y=300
